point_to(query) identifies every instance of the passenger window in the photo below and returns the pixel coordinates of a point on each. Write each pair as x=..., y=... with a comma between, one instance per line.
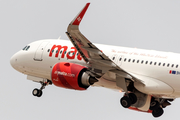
x=154, y=63
x=77, y=54
x=65, y=52
x=137, y=61
x=176, y=66
x=172, y=65
x=125, y=60
x=48, y=50
x=146, y=62
x=133, y=61
x=52, y=51
x=142, y=62
x=69, y=53
x=129, y=60
x=113, y=58
x=73, y=53
x=164, y=64
x=168, y=65
x=120, y=59
x=60, y=52
x=159, y=64
x=56, y=51
x=150, y=62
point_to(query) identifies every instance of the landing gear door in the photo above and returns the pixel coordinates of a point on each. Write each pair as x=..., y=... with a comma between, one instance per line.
x=39, y=52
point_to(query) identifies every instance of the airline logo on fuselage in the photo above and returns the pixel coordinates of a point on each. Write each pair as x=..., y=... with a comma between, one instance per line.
x=72, y=54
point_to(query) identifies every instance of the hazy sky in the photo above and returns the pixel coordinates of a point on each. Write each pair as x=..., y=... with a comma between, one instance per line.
x=150, y=24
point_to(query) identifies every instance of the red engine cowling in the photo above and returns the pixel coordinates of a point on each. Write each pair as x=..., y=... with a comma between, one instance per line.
x=71, y=76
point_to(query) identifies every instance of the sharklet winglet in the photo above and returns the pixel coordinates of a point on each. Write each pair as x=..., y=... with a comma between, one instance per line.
x=79, y=17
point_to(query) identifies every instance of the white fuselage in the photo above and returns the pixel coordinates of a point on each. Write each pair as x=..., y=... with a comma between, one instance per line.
x=163, y=66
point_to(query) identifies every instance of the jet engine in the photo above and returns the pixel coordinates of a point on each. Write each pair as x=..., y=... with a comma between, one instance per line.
x=71, y=76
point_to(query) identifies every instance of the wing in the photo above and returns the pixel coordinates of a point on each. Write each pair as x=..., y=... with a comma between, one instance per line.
x=94, y=57
x=88, y=51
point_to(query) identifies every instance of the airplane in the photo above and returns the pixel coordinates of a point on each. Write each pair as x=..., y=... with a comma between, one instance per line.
x=148, y=78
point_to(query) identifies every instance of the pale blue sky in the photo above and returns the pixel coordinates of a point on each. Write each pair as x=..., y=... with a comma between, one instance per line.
x=149, y=24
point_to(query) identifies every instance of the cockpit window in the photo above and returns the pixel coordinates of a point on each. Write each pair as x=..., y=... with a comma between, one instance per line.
x=26, y=48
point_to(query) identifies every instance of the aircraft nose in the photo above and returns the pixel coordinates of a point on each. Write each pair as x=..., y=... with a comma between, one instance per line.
x=13, y=61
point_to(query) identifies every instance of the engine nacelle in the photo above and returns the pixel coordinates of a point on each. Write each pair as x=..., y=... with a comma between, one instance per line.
x=71, y=76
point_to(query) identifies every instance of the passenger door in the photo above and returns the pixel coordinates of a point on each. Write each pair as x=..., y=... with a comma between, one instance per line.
x=39, y=52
